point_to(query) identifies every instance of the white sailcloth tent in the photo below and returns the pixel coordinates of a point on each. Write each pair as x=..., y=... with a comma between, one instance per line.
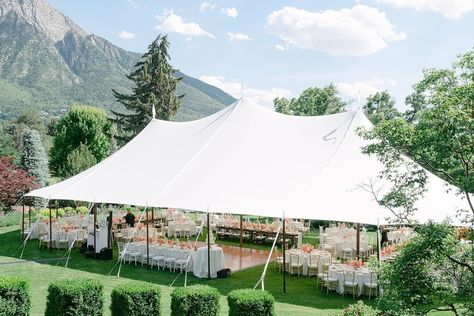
x=247, y=159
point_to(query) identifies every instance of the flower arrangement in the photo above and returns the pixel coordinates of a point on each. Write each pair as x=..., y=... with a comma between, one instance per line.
x=307, y=248
x=357, y=264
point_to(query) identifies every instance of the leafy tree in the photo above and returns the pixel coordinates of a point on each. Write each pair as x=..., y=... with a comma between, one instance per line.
x=14, y=182
x=82, y=125
x=430, y=280
x=311, y=102
x=437, y=132
x=33, y=156
x=78, y=160
x=154, y=85
x=7, y=145
x=380, y=106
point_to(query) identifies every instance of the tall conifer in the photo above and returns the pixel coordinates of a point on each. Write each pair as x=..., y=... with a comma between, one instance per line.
x=154, y=85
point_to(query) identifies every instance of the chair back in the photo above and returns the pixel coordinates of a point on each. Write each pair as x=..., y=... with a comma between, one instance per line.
x=349, y=275
x=294, y=258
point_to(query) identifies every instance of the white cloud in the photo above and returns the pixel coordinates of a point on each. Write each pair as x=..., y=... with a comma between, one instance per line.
x=452, y=9
x=280, y=47
x=133, y=3
x=361, y=30
x=234, y=88
x=230, y=12
x=362, y=89
x=172, y=23
x=126, y=35
x=206, y=6
x=237, y=37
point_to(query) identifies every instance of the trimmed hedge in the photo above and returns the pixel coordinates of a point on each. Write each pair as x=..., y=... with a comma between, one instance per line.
x=15, y=297
x=135, y=299
x=250, y=303
x=75, y=297
x=195, y=300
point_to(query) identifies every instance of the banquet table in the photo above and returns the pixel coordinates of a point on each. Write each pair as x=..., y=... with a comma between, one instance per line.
x=361, y=276
x=200, y=261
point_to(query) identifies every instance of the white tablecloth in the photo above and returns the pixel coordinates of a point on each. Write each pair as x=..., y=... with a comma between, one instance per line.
x=200, y=261
x=324, y=258
x=100, y=238
x=360, y=278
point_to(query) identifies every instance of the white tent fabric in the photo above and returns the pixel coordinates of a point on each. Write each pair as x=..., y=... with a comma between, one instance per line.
x=247, y=159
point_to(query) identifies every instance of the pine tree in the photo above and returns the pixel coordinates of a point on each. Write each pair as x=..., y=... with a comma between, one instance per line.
x=154, y=85
x=33, y=156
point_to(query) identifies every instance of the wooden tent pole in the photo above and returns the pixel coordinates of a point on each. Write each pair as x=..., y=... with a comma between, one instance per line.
x=284, y=256
x=241, y=219
x=50, y=227
x=94, y=208
x=147, y=240
x=208, y=247
x=358, y=242
x=23, y=220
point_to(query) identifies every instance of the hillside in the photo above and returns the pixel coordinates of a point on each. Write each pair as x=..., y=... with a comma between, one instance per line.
x=48, y=62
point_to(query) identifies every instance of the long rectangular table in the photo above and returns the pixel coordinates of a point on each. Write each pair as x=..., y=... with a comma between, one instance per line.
x=255, y=235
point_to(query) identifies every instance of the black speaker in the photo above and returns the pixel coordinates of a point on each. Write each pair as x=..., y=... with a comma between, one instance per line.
x=106, y=254
x=224, y=273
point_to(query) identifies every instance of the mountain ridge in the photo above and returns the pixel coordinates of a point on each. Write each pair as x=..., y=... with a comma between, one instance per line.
x=49, y=62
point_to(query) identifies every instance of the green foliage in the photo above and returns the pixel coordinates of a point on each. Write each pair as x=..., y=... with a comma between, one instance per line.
x=251, y=303
x=15, y=296
x=10, y=219
x=424, y=275
x=380, y=106
x=154, y=86
x=311, y=102
x=196, y=300
x=136, y=299
x=359, y=309
x=33, y=156
x=75, y=297
x=78, y=160
x=82, y=125
x=7, y=144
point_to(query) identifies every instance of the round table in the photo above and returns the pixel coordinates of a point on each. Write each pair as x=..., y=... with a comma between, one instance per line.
x=361, y=276
x=200, y=261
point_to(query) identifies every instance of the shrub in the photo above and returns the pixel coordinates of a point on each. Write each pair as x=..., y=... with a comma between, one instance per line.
x=359, y=309
x=135, y=299
x=196, y=300
x=75, y=297
x=15, y=299
x=251, y=303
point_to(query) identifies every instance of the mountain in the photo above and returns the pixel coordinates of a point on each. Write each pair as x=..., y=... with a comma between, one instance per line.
x=48, y=62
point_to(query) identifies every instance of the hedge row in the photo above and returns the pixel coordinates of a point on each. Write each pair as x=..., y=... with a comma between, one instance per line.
x=85, y=297
x=15, y=297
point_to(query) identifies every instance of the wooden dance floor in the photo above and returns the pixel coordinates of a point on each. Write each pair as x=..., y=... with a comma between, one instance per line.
x=237, y=258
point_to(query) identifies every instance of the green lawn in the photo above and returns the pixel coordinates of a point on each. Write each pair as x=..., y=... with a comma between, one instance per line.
x=42, y=266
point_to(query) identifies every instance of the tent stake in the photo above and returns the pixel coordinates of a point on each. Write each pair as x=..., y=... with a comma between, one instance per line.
x=208, y=247
x=284, y=256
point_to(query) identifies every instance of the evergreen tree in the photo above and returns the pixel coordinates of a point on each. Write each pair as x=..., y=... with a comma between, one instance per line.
x=33, y=156
x=154, y=85
x=78, y=160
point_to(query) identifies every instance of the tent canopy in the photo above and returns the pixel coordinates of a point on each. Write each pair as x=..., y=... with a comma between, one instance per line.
x=247, y=159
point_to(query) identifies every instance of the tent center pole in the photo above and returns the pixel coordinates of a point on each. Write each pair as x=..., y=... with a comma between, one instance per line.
x=208, y=247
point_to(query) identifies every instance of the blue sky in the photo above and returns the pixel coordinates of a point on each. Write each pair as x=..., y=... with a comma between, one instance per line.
x=279, y=48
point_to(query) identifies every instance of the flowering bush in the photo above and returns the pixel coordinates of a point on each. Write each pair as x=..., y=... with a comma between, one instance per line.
x=358, y=309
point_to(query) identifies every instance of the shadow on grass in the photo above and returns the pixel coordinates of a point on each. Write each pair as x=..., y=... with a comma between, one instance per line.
x=300, y=290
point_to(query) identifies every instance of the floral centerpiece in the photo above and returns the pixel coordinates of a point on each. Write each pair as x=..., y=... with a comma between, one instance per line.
x=307, y=248
x=357, y=264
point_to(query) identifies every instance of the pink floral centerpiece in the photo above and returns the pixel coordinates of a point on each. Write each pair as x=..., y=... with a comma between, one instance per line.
x=356, y=264
x=307, y=248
